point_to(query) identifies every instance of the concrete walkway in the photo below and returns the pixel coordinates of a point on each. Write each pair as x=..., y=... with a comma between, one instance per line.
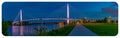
x=80, y=30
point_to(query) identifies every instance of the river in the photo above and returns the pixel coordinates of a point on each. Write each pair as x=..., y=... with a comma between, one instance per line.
x=30, y=29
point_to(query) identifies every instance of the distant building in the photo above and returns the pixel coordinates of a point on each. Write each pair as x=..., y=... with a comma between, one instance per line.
x=84, y=20
x=81, y=21
x=109, y=19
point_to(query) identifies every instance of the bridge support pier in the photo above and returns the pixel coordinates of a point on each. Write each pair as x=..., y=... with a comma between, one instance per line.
x=61, y=24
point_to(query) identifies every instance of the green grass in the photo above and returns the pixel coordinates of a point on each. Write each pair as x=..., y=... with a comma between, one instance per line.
x=5, y=26
x=103, y=29
x=59, y=32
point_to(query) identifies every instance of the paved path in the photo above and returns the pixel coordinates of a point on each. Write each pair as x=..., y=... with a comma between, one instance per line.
x=80, y=30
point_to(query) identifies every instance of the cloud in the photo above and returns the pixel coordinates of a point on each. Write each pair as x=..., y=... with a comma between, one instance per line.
x=112, y=9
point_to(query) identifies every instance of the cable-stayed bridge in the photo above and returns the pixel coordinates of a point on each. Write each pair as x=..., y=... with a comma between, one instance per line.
x=21, y=20
x=68, y=19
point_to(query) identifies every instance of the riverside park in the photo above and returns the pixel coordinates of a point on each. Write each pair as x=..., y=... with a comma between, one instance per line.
x=59, y=19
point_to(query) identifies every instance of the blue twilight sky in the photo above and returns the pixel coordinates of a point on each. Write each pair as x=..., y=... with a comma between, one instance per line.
x=91, y=10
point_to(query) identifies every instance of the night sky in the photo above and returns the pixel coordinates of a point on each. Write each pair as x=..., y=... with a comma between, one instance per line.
x=91, y=10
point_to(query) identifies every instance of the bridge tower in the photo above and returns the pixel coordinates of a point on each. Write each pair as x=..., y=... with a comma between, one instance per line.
x=68, y=14
x=21, y=27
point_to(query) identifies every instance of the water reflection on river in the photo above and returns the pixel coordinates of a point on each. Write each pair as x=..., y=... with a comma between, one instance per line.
x=30, y=29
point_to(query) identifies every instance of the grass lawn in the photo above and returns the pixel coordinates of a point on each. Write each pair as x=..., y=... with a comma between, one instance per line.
x=103, y=29
x=5, y=26
x=59, y=32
